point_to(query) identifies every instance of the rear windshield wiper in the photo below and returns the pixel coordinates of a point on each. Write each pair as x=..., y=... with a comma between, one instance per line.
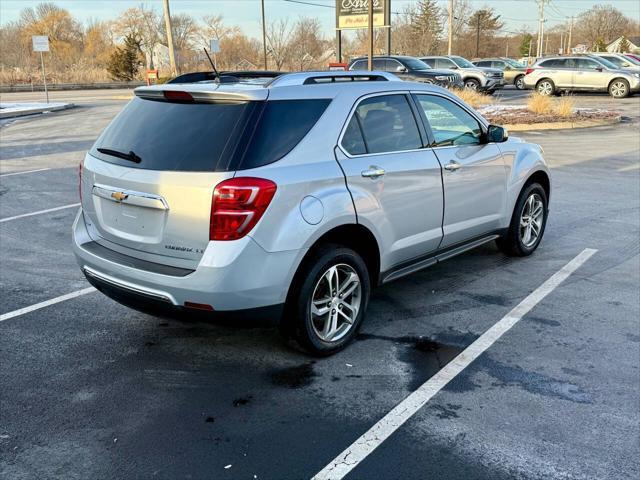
x=131, y=156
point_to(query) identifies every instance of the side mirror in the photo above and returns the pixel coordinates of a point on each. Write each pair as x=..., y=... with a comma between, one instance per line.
x=507, y=67
x=598, y=69
x=401, y=69
x=497, y=134
x=453, y=67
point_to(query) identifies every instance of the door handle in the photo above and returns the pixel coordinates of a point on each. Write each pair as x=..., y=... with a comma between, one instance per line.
x=452, y=166
x=373, y=172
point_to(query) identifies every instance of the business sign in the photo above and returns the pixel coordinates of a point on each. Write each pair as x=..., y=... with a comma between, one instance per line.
x=40, y=43
x=352, y=14
x=214, y=45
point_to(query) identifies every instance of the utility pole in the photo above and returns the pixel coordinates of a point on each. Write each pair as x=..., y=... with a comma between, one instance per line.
x=561, y=43
x=477, y=35
x=540, y=26
x=167, y=23
x=450, y=26
x=370, y=35
x=264, y=37
x=506, y=52
x=570, y=32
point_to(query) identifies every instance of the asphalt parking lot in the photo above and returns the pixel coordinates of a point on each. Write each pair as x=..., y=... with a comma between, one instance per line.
x=92, y=389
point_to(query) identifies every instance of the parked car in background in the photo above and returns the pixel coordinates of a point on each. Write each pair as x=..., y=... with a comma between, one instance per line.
x=409, y=68
x=315, y=188
x=475, y=78
x=620, y=61
x=632, y=56
x=552, y=75
x=513, y=71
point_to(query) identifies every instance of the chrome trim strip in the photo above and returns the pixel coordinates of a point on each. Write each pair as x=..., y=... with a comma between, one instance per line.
x=163, y=296
x=140, y=199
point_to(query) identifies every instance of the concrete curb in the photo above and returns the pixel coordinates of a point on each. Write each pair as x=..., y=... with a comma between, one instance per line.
x=35, y=110
x=532, y=127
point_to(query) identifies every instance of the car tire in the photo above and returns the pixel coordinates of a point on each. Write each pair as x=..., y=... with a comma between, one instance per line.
x=472, y=84
x=619, y=88
x=519, y=82
x=312, y=330
x=546, y=87
x=519, y=240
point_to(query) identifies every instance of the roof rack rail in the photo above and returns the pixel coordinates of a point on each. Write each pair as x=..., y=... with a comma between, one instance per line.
x=319, y=78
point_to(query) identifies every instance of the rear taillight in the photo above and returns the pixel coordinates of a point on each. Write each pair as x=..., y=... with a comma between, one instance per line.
x=237, y=205
x=80, y=181
x=529, y=70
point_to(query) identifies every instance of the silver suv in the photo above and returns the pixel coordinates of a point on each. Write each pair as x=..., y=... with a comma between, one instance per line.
x=296, y=197
x=475, y=78
x=552, y=75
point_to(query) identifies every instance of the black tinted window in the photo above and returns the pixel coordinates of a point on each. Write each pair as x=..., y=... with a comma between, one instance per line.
x=281, y=126
x=388, y=124
x=360, y=65
x=173, y=136
x=207, y=136
x=352, y=140
x=483, y=64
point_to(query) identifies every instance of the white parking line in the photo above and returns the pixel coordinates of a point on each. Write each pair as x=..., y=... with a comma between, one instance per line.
x=46, y=303
x=340, y=466
x=39, y=212
x=20, y=173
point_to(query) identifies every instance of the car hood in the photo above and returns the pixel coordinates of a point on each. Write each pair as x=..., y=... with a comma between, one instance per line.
x=432, y=72
x=483, y=70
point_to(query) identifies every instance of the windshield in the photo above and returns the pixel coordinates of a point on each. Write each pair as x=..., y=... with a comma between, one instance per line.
x=415, y=64
x=462, y=62
x=607, y=63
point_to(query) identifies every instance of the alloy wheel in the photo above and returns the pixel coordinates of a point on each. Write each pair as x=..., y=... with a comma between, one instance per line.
x=531, y=220
x=545, y=88
x=618, y=89
x=335, y=302
x=471, y=84
x=520, y=83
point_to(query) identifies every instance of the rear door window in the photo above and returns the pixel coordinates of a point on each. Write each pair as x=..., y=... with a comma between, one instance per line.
x=359, y=65
x=388, y=124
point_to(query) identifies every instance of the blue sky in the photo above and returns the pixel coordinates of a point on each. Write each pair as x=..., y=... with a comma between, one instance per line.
x=246, y=13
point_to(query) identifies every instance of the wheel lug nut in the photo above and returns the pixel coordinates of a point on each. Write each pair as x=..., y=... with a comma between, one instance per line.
x=333, y=311
x=340, y=306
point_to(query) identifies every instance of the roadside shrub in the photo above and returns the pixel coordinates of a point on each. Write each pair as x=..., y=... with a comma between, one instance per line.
x=540, y=104
x=472, y=97
x=565, y=106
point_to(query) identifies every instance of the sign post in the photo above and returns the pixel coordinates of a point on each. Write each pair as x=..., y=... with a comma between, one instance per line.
x=41, y=44
x=214, y=47
x=359, y=14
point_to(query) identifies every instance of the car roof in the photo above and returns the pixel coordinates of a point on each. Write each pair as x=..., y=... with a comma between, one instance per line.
x=299, y=85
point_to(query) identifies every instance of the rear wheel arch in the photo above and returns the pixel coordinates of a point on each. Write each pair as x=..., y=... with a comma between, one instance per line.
x=354, y=236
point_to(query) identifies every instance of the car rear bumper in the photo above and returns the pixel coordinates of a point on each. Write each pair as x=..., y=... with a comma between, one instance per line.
x=237, y=275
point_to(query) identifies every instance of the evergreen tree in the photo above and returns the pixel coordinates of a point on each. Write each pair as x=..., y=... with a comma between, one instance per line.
x=426, y=26
x=123, y=63
x=525, y=44
x=600, y=46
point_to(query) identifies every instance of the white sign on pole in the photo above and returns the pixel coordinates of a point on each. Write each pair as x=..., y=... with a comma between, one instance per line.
x=40, y=43
x=214, y=45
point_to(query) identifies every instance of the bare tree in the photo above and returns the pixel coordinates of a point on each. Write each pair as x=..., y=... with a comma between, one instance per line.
x=601, y=23
x=307, y=44
x=142, y=24
x=279, y=42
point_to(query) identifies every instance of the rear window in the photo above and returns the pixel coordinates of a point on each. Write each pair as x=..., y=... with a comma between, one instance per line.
x=206, y=136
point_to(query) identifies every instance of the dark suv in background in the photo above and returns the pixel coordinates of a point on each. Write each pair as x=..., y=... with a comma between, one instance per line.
x=410, y=68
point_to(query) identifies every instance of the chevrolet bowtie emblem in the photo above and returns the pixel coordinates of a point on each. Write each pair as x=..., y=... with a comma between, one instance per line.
x=119, y=196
